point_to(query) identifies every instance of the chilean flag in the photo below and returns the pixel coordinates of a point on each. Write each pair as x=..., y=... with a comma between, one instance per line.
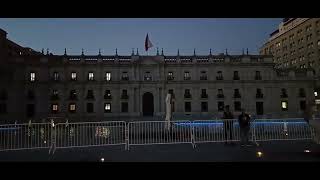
x=147, y=43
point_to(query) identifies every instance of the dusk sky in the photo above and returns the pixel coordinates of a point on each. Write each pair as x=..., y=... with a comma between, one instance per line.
x=125, y=34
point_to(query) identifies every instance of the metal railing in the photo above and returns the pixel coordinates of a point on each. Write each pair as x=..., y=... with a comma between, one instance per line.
x=25, y=136
x=159, y=132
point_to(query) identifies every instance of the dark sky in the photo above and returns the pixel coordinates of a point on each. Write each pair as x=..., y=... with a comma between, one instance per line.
x=125, y=34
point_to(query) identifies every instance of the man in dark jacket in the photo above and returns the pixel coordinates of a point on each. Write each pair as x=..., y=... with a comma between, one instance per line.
x=228, y=125
x=244, y=123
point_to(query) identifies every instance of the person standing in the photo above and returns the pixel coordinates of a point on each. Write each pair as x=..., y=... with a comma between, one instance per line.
x=244, y=123
x=228, y=125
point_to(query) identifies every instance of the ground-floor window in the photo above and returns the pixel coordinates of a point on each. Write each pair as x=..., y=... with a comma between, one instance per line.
x=90, y=108
x=284, y=105
x=259, y=108
x=3, y=108
x=107, y=107
x=237, y=106
x=303, y=105
x=220, y=106
x=124, y=107
x=72, y=107
x=187, y=106
x=204, y=106
x=30, y=110
x=54, y=108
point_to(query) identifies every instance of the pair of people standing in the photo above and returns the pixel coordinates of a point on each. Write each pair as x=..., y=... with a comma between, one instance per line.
x=244, y=123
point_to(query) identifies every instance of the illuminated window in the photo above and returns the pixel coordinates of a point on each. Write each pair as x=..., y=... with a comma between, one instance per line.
x=54, y=108
x=32, y=76
x=284, y=105
x=107, y=94
x=107, y=107
x=125, y=76
x=73, y=76
x=72, y=108
x=108, y=76
x=187, y=75
x=315, y=94
x=56, y=76
x=90, y=76
x=170, y=76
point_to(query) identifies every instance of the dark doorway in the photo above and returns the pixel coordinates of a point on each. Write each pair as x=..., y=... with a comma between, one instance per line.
x=147, y=105
x=259, y=108
x=30, y=110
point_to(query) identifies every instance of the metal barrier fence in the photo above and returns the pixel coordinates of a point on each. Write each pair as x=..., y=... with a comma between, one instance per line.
x=25, y=136
x=86, y=134
x=159, y=132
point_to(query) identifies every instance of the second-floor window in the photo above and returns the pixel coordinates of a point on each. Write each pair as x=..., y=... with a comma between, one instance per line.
x=302, y=93
x=187, y=75
x=90, y=94
x=56, y=76
x=236, y=93
x=236, y=75
x=107, y=94
x=54, y=108
x=73, y=76
x=124, y=94
x=147, y=76
x=220, y=93
x=203, y=75
x=170, y=76
x=125, y=76
x=258, y=76
x=204, y=93
x=90, y=76
x=32, y=76
x=187, y=93
x=108, y=76
x=219, y=75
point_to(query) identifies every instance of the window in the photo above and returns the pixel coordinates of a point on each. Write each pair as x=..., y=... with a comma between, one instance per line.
x=3, y=108
x=3, y=95
x=107, y=94
x=259, y=108
x=220, y=106
x=73, y=76
x=72, y=108
x=259, y=94
x=30, y=110
x=204, y=93
x=90, y=76
x=315, y=93
x=187, y=93
x=54, y=108
x=73, y=95
x=124, y=76
x=107, y=107
x=108, y=76
x=236, y=93
x=147, y=76
x=284, y=93
x=284, y=105
x=55, y=95
x=90, y=108
x=187, y=75
x=237, y=106
x=302, y=93
x=236, y=75
x=124, y=107
x=219, y=75
x=31, y=95
x=56, y=76
x=258, y=76
x=187, y=106
x=32, y=76
x=124, y=94
x=170, y=76
x=303, y=105
x=90, y=94
x=220, y=93
x=203, y=75
x=204, y=106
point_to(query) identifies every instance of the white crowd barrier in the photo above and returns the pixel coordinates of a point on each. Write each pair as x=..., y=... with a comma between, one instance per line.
x=86, y=134
x=159, y=132
x=25, y=136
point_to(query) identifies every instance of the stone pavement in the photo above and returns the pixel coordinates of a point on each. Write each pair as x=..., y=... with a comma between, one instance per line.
x=208, y=152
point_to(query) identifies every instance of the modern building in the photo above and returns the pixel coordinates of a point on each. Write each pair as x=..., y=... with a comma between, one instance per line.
x=36, y=85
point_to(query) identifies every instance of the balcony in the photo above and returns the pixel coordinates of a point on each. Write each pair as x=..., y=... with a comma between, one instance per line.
x=259, y=96
x=203, y=78
x=170, y=78
x=147, y=78
x=220, y=96
x=236, y=78
x=73, y=97
x=124, y=96
x=257, y=78
x=219, y=78
x=187, y=96
x=204, y=96
x=236, y=96
x=106, y=96
x=125, y=78
x=187, y=78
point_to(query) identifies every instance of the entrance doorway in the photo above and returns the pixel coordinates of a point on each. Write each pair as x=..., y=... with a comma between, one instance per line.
x=147, y=104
